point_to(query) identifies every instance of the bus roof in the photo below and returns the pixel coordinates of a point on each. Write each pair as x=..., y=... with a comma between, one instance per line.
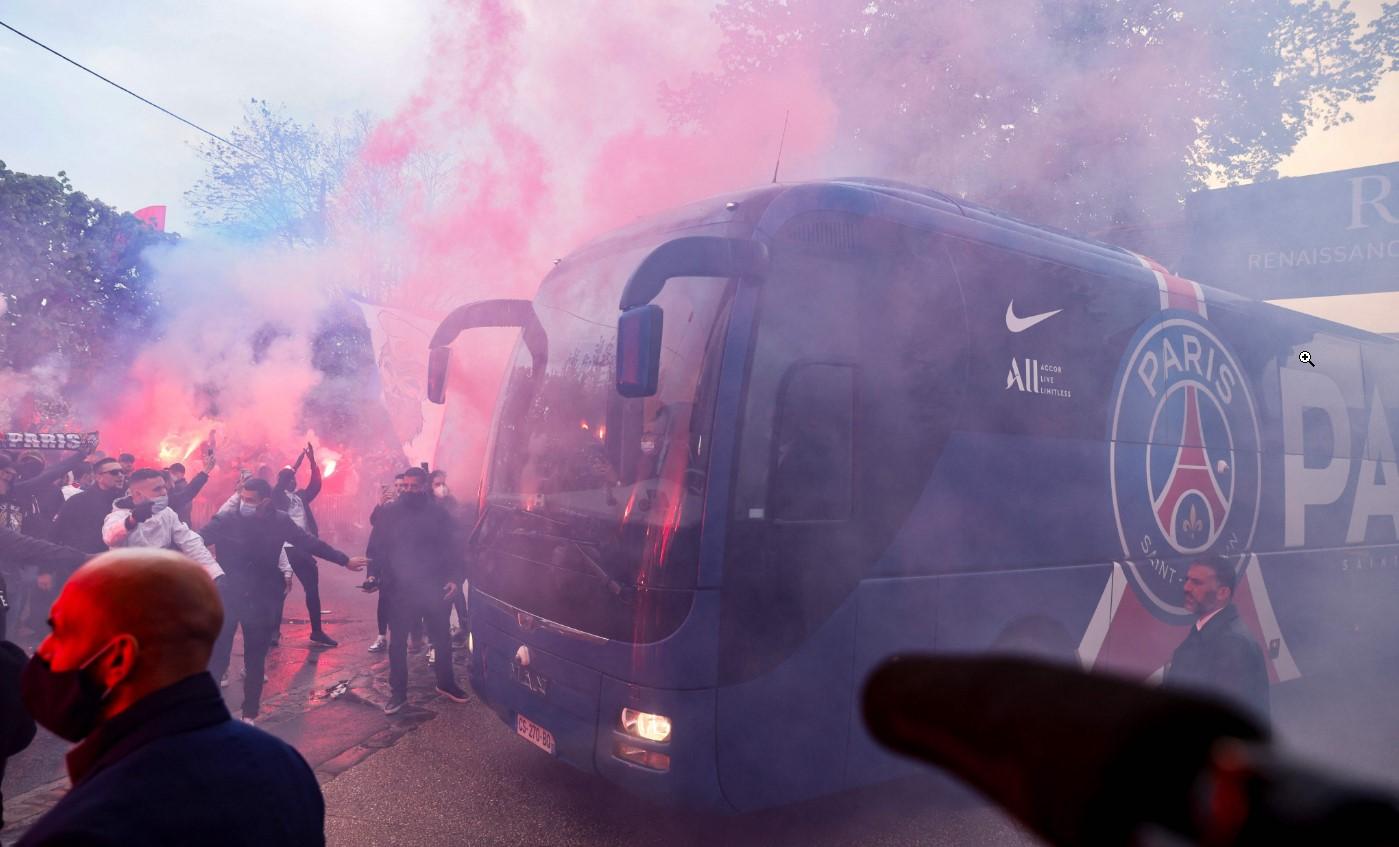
x=760, y=211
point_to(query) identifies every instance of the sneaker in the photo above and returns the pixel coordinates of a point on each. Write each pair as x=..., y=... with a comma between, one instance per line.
x=432, y=655
x=324, y=640
x=223, y=680
x=249, y=721
x=395, y=704
x=378, y=646
x=454, y=693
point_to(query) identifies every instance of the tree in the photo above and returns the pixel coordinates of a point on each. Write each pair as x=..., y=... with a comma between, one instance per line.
x=76, y=292
x=1081, y=113
x=275, y=183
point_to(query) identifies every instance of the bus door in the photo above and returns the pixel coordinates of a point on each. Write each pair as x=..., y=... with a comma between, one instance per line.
x=841, y=405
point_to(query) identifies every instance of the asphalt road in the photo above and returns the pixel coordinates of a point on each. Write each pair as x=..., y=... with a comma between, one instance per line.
x=441, y=773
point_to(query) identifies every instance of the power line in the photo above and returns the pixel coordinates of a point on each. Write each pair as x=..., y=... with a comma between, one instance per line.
x=153, y=105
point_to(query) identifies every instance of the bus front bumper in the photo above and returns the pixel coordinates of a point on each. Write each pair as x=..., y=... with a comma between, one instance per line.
x=574, y=713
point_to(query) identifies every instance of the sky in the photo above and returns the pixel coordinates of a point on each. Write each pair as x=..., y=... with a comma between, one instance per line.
x=323, y=60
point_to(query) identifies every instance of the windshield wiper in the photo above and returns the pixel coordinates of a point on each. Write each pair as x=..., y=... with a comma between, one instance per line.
x=613, y=585
x=512, y=509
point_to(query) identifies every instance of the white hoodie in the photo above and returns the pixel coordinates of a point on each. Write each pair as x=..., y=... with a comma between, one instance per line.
x=162, y=529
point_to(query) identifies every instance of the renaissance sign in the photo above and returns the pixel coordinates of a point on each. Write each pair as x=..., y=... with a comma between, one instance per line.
x=1311, y=236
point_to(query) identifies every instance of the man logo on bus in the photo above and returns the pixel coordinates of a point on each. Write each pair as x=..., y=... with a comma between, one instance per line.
x=1184, y=456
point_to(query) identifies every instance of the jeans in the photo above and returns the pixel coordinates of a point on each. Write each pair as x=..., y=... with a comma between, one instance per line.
x=223, y=646
x=309, y=575
x=257, y=608
x=406, y=606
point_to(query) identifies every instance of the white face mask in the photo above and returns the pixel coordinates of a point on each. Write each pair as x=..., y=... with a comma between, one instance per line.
x=441, y=489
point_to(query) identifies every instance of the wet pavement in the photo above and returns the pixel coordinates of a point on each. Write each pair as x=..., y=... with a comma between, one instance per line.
x=442, y=773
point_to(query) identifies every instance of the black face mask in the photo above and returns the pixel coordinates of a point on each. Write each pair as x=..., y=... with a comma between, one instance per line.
x=66, y=703
x=414, y=499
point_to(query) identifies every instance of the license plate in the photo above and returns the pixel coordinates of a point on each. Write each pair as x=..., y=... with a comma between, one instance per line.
x=532, y=680
x=535, y=734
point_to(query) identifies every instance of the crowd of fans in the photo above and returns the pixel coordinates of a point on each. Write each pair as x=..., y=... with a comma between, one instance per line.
x=83, y=538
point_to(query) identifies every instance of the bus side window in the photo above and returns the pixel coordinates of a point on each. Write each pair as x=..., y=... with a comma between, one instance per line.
x=813, y=456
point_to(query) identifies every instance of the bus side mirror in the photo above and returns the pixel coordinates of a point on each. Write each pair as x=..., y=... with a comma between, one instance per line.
x=437, y=360
x=639, y=351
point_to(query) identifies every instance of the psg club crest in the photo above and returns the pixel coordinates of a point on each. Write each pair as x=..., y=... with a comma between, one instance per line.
x=1184, y=456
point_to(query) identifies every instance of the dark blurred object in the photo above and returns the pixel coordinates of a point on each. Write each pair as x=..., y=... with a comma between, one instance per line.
x=1090, y=759
x=370, y=585
x=16, y=726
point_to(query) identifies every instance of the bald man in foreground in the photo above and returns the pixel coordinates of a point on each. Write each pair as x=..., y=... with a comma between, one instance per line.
x=159, y=761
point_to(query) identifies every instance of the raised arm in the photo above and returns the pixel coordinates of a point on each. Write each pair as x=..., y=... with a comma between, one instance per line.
x=35, y=485
x=47, y=556
x=187, y=494
x=313, y=488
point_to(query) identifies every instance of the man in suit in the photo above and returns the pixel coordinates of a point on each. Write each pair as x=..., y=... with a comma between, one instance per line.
x=1219, y=655
x=123, y=673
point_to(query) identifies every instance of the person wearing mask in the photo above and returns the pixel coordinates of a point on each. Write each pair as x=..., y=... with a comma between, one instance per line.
x=297, y=505
x=144, y=518
x=248, y=544
x=159, y=760
x=417, y=548
x=1219, y=654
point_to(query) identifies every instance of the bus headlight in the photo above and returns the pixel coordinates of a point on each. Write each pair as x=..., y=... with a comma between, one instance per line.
x=645, y=725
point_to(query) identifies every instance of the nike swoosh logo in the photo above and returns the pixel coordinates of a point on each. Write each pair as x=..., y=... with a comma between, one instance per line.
x=1019, y=324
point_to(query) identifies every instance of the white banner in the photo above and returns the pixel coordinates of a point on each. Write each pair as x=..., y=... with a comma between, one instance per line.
x=400, y=350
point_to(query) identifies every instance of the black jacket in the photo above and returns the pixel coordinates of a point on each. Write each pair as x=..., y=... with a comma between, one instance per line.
x=248, y=548
x=182, y=495
x=175, y=769
x=79, y=522
x=1224, y=660
x=417, y=549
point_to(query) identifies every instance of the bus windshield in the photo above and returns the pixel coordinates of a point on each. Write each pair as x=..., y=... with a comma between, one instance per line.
x=594, y=500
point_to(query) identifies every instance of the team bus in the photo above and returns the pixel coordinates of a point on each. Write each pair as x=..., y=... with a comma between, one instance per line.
x=749, y=449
